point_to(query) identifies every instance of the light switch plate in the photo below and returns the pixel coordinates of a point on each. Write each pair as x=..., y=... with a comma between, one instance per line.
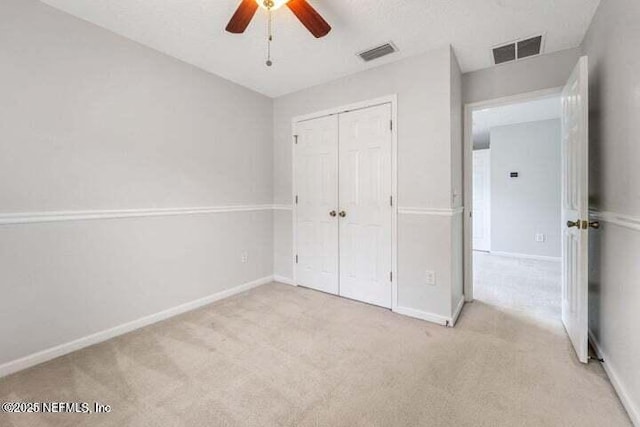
x=540, y=237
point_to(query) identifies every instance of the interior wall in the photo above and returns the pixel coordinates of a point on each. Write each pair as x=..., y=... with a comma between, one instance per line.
x=541, y=72
x=529, y=204
x=92, y=121
x=614, y=296
x=457, y=180
x=426, y=182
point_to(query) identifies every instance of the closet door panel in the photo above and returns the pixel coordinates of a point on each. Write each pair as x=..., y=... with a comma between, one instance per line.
x=364, y=195
x=316, y=187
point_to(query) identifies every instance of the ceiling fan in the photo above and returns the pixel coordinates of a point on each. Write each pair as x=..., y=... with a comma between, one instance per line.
x=309, y=17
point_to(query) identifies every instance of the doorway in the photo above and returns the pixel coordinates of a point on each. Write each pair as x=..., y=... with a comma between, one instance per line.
x=574, y=199
x=517, y=206
x=344, y=211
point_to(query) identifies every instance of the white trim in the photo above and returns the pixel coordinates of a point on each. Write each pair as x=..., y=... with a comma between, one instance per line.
x=63, y=216
x=456, y=313
x=621, y=220
x=393, y=101
x=423, y=315
x=615, y=378
x=429, y=211
x=526, y=256
x=60, y=350
x=468, y=171
x=283, y=207
x=294, y=211
x=284, y=280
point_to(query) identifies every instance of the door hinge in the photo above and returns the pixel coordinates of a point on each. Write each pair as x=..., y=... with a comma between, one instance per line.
x=295, y=139
x=391, y=276
x=296, y=259
x=391, y=125
x=296, y=199
x=391, y=201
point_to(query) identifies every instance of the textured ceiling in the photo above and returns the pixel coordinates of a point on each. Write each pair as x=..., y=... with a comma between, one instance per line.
x=523, y=112
x=193, y=31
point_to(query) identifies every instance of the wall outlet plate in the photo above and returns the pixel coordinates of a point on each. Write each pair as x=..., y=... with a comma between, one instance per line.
x=244, y=257
x=430, y=278
x=540, y=238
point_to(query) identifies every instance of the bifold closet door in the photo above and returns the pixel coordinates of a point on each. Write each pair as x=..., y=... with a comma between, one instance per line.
x=365, y=191
x=316, y=182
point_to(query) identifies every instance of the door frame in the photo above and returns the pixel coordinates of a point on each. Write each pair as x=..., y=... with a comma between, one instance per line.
x=467, y=166
x=389, y=99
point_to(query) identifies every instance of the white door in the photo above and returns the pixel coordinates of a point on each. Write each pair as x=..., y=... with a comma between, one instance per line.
x=482, y=200
x=575, y=208
x=365, y=205
x=316, y=178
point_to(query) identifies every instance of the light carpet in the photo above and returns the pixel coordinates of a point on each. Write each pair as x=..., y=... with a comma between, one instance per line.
x=285, y=356
x=530, y=286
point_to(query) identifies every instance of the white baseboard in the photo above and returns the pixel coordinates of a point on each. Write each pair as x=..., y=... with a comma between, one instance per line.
x=616, y=381
x=285, y=280
x=423, y=315
x=60, y=350
x=456, y=313
x=526, y=256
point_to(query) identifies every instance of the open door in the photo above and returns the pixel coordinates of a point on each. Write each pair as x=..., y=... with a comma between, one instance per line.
x=575, y=207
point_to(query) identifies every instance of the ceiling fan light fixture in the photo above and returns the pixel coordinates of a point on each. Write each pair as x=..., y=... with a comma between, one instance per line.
x=271, y=4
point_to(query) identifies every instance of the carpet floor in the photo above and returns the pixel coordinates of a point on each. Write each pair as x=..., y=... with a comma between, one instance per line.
x=531, y=287
x=285, y=356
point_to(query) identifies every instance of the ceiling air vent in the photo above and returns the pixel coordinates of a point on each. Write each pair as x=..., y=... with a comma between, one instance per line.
x=529, y=47
x=506, y=53
x=518, y=49
x=378, y=52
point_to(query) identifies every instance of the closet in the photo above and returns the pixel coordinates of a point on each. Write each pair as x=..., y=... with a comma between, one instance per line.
x=344, y=208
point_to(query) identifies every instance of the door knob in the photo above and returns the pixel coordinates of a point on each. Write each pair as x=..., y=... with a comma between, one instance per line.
x=342, y=214
x=332, y=213
x=574, y=224
x=594, y=224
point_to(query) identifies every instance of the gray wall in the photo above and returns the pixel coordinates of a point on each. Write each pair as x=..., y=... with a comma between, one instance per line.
x=429, y=145
x=612, y=46
x=537, y=73
x=457, y=180
x=90, y=120
x=530, y=204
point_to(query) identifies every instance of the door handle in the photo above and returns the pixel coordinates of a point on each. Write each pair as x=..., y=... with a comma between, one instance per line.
x=574, y=224
x=332, y=213
x=342, y=214
x=595, y=225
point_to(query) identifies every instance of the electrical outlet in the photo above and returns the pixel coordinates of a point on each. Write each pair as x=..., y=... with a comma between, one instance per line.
x=430, y=278
x=244, y=257
x=540, y=238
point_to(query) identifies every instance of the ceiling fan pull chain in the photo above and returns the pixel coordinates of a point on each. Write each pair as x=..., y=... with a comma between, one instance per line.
x=270, y=39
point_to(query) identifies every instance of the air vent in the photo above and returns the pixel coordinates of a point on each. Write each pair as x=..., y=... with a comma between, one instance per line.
x=518, y=49
x=378, y=52
x=529, y=47
x=504, y=54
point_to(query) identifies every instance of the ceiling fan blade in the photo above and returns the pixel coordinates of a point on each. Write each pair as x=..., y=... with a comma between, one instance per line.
x=309, y=17
x=241, y=19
